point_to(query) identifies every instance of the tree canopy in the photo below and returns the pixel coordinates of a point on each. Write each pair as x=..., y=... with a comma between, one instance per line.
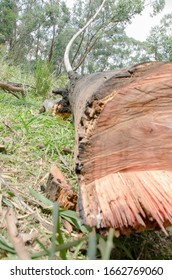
x=32, y=30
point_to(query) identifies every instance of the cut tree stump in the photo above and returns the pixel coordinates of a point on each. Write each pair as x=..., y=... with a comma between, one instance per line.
x=57, y=189
x=123, y=151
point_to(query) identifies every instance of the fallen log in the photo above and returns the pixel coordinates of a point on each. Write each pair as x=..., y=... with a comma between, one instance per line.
x=123, y=149
x=123, y=144
x=12, y=88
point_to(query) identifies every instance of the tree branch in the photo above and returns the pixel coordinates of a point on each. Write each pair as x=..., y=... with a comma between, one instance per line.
x=12, y=89
x=89, y=47
x=66, y=55
x=79, y=46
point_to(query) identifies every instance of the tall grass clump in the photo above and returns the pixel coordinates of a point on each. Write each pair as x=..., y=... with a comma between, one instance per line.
x=43, y=77
x=13, y=73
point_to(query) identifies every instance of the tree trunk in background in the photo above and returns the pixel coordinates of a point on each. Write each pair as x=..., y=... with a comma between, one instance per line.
x=123, y=152
x=52, y=44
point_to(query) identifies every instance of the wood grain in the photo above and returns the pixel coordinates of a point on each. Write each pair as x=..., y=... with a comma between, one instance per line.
x=123, y=152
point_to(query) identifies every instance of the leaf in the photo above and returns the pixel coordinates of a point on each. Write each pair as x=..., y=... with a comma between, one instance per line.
x=40, y=197
x=73, y=218
x=109, y=244
x=70, y=244
x=102, y=245
x=4, y=245
x=55, y=229
x=69, y=215
x=60, y=239
x=92, y=245
x=78, y=248
x=65, y=246
x=105, y=247
x=39, y=254
x=42, y=246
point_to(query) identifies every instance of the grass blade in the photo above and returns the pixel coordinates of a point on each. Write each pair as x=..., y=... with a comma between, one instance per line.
x=55, y=225
x=109, y=245
x=92, y=245
x=73, y=218
x=40, y=197
x=67, y=245
x=5, y=246
x=57, y=234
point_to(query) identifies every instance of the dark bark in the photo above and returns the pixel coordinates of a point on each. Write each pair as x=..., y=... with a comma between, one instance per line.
x=52, y=44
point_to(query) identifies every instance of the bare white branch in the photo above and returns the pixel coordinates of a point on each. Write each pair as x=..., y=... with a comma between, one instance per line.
x=68, y=47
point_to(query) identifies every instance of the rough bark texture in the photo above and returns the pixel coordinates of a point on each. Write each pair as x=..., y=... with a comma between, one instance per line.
x=58, y=189
x=123, y=147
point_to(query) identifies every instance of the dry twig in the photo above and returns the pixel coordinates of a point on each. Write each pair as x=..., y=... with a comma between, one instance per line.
x=12, y=88
x=7, y=124
x=15, y=236
x=4, y=182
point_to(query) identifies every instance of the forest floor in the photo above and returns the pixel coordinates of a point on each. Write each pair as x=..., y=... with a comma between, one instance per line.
x=30, y=144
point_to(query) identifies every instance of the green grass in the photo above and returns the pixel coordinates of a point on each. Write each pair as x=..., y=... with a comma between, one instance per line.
x=43, y=78
x=33, y=143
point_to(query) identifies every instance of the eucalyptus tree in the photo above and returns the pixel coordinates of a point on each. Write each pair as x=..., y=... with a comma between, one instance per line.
x=104, y=44
x=31, y=28
x=8, y=17
x=41, y=29
x=159, y=42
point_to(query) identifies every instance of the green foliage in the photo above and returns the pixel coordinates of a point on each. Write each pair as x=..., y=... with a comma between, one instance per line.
x=43, y=78
x=159, y=42
x=92, y=245
x=158, y=5
x=59, y=236
x=4, y=245
x=71, y=216
x=105, y=45
x=35, y=29
x=97, y=243
x=12, y=73
x=7, y=19
x=42, y=29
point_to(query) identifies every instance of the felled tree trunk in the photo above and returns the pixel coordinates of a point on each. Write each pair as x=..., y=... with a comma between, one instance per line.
x=123, y=152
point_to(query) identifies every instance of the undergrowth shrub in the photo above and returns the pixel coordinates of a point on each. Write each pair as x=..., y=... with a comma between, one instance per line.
x=43, y=77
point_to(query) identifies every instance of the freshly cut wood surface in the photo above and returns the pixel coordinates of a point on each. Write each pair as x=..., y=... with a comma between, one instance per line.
x=123, y=147
x=57, y=189
x=129, y=201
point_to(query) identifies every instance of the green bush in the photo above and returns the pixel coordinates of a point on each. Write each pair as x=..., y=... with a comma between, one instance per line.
x=43, y=78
